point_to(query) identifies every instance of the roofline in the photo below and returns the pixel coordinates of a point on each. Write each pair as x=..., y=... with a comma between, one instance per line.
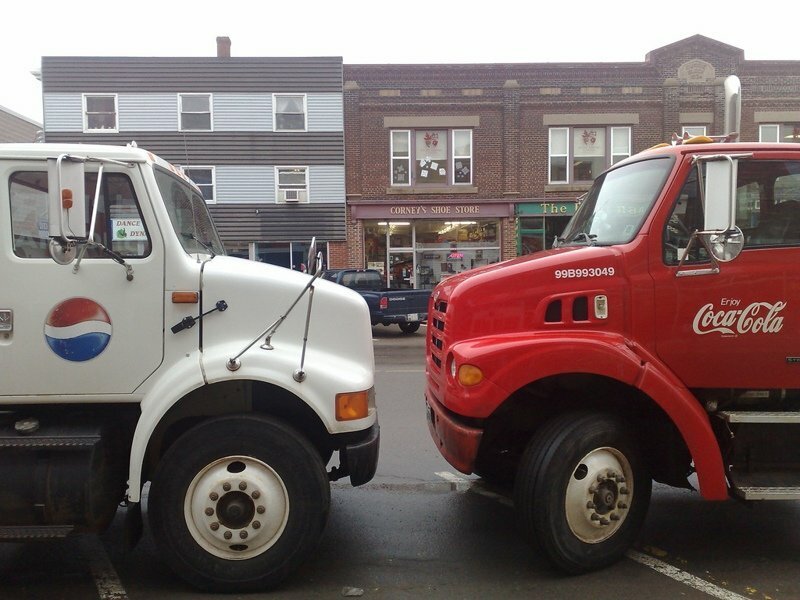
x=19, y=116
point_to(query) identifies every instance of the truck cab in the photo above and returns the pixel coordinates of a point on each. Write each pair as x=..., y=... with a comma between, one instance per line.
x=133, y=350
x=655, y=341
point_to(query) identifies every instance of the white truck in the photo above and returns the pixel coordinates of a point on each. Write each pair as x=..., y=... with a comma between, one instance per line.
x=132, y=350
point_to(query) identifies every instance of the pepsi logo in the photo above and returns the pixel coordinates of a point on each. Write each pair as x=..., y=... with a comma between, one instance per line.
x=78, y=329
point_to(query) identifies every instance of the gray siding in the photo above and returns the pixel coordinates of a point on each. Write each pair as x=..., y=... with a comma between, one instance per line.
x=325, y=112
x=279, y=223
x=170, y=74
x=242, y=112
x=245, y=184
x=159, y=112
x=214, y=148
x=15, y=128
x=250, y=183
x=326, y=184
x=147, y=112
x=63, y=112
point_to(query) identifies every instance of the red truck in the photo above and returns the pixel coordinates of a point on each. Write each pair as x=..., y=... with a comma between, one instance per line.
x=657, y=340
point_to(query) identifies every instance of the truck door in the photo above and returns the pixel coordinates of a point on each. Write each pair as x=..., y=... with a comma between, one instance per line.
x=739, y=328
x=90, y=332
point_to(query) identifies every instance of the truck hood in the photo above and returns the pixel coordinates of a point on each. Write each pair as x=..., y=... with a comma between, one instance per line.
x=514, y=296
x=259, y=294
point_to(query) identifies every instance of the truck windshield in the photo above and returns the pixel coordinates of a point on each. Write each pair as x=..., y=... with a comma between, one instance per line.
x=189, y=215
x=617, y=203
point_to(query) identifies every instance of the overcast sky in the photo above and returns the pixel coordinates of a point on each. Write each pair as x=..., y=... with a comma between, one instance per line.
x=413, y=31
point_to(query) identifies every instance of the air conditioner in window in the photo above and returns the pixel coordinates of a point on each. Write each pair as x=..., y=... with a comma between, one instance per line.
x=292, y=195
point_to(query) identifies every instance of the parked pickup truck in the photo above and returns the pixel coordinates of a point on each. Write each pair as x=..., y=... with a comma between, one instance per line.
x=406, y=308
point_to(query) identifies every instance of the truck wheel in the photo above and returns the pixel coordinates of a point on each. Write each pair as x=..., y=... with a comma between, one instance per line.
x=582, y=491
x=409, y=327
x=238, y=502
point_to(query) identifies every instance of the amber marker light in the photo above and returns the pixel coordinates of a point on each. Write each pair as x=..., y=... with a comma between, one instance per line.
x=352, y=405
x=185, y=297
x=66, y=198
x=469, y=375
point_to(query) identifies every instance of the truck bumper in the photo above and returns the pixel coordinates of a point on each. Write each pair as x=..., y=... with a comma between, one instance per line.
x=360, y=457
x=457, y=442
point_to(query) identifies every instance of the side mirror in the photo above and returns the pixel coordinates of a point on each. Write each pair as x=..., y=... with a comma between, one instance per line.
x=67, y=201
x=719, y=194
x=727, y=245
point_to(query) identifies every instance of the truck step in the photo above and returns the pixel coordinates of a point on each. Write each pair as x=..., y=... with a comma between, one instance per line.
x=34, y=532
x=766, y=485
x=738, y=416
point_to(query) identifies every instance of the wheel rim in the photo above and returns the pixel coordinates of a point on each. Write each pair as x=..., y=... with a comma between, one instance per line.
x=599, y=495
x=236, y=507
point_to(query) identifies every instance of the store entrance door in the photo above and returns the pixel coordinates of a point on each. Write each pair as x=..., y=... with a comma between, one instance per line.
x=401, y=270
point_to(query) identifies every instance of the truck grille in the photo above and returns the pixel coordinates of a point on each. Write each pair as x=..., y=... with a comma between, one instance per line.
x=436, y=340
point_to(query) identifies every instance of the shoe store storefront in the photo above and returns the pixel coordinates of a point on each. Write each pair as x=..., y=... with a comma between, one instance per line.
x=419, y=245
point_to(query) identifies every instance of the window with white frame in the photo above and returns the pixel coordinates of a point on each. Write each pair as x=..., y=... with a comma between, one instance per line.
x=783, y=132
x=292, y=184
x=431, y=157
x=579, y=154
x=100, y=112
x=203, y=177
x=290, y=112
x=195, y=112
x=693, y=130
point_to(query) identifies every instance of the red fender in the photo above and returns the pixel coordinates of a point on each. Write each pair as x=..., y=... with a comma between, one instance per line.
x=510, y=362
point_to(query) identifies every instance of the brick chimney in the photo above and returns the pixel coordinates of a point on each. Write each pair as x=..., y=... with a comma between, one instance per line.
x=223, y=47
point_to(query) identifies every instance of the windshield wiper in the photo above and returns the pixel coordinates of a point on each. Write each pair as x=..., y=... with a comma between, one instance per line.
x=584, y=238
x=206, y=245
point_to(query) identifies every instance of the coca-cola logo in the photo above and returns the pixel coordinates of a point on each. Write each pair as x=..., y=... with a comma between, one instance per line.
x=758, y=317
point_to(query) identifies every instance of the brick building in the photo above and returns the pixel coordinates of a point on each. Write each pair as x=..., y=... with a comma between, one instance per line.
x=449, y=167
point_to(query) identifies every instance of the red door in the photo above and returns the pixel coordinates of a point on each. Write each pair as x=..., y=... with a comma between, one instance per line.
x=739, y=328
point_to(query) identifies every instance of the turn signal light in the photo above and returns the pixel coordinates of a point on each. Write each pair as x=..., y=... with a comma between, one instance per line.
x=469, y=375
x=185, y=297
x=352, y=405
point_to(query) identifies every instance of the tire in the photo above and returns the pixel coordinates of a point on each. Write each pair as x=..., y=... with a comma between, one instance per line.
x=268, y=494
x=582, y=491
x=409, y=327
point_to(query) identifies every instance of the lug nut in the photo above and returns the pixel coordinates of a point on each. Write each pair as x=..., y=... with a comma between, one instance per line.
x=620, y=480
x=209, y=511
x=243, y=534
x=214, y=526
x=595, y=517
x=214, y=496
x=256, y=495
x=242, y=486
x=260, y=510
x=622, y=505
x=593, y=489
x=228, y=535
x=226, y=487
x=623, y=490
x=590, y=505
x=614, y=517
x=604, y=521
x=600, y=478
x=256, y=524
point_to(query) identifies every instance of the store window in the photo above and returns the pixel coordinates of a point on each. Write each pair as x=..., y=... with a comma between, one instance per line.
x=290, y=112
x=431, y=157
x=579, y=154
x=203, y=177
x=422, y=253
x=100, y=113
x=788, y=132
x=195, y=112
